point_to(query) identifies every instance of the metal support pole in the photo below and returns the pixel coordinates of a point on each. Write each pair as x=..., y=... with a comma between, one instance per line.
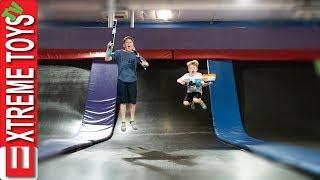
x=132, y=19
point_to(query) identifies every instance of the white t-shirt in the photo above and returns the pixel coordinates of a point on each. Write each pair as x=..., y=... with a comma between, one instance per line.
x=191, y=80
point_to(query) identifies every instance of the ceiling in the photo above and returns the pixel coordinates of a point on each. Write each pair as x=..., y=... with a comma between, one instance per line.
x=183, y=11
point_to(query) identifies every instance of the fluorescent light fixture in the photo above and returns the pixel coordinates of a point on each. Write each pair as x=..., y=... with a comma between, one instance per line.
x=244, y=2
x=164, y=14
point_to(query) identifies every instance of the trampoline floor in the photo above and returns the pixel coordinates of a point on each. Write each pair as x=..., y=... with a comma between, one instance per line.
x=175, y=155
x=172, y=142
x=62, y=95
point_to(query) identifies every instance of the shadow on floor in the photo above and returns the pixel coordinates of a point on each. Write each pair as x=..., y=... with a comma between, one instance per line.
x=153, y=155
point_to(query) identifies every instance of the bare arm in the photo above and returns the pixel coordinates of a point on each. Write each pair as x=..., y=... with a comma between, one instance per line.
x=108, y=55
x=143, y=62
x=181, y=81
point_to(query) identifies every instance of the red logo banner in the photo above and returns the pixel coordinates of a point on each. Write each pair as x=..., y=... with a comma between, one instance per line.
x=18, y=95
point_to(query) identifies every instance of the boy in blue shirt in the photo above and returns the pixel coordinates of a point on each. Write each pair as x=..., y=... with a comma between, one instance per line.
x=127, y=60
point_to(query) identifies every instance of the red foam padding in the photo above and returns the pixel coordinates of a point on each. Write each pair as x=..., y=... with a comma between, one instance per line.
x=255, y=54
x=228, y=54
x=84, y=54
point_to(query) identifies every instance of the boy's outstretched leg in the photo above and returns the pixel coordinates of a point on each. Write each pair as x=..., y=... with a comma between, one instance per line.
x=132, y=113
x=123, y=117
x=193, y=107
x=187, y=103
x=199, y=101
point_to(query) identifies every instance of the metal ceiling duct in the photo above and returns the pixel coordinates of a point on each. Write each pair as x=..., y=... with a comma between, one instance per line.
x=184, y=10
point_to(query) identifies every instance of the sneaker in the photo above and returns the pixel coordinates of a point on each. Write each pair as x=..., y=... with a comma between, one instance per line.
x=193, y=107
x=123, y=126
x=203, y=105
x=133, y=125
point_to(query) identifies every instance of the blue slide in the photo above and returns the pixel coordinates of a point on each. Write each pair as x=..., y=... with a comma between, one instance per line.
x=229, y=127
x=98, y=119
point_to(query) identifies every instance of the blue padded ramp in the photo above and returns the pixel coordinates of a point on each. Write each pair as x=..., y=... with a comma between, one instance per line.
x=224, y=104
x=229, y=128
x=52, y=147
x=302, y=158
x=98, y=119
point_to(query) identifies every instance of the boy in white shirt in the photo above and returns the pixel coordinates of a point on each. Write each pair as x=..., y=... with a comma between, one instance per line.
x=193, y=81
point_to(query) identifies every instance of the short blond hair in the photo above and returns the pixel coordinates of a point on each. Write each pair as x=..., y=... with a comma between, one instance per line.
x=193, y=62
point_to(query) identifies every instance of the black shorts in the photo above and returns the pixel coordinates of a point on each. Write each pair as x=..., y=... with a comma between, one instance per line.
x=126, y=92
x=189, y=96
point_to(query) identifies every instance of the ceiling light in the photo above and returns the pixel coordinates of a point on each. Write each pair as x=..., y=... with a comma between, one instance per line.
x=244, y=2
x=164, y=14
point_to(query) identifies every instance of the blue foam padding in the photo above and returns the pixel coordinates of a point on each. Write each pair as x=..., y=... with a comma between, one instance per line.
x=99, y=116
x=102, y=92
x=51, y=147
x=302, y=158
x=229, y=128
x=98, y=120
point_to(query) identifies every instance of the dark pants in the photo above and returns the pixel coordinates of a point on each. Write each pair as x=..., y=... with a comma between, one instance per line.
x=189, y=96
x=127, y=92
